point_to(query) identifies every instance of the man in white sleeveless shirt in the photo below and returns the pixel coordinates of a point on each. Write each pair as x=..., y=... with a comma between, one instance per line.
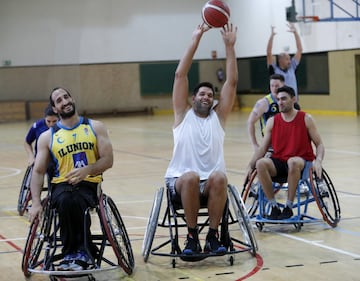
x=197, y=168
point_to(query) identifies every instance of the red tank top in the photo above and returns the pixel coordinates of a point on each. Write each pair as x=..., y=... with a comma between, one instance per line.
x=291, y=139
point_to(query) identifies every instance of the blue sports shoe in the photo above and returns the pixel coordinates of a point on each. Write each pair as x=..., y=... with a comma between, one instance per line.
x=65, y=263
x=213, y=245
x=192, y=246
x=80, y=262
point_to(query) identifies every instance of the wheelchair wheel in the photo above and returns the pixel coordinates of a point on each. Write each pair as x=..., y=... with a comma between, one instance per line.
x=250, y=194
x=39, y=230
x=243, y=219
x=152, y=224
x=326, y=198
x=116, y=233
x=24, y=195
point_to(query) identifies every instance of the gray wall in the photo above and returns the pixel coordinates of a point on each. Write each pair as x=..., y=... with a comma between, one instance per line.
x=47, y=32
x=94, y=47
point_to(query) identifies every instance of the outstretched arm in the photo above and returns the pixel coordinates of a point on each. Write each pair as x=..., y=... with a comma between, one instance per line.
x=228, y=91
x=299, y=49
x=269, y=55
x=181, y=82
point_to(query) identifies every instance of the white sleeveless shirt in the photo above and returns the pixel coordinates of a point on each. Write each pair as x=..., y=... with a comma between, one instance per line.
x=198, y=146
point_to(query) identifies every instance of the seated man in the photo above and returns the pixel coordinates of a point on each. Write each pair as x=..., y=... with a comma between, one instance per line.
x=264, y=108
x=198, y=166
x=291, y=134
x=40, y=126
x=81, y=151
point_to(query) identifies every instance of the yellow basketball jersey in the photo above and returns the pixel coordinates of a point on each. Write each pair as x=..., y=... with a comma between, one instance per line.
x=73, y=148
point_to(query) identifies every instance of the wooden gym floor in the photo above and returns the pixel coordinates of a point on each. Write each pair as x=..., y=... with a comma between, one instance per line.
x=143, y=147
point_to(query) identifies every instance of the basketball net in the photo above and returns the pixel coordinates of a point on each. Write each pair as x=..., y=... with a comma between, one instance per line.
x=305, y=24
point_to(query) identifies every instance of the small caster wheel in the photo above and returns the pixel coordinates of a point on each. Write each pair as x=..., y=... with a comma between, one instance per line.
x=231, y=260
x=259, y=225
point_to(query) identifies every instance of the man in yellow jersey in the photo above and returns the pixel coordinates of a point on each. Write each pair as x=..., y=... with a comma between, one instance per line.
x=81, y=151
x=264, y=108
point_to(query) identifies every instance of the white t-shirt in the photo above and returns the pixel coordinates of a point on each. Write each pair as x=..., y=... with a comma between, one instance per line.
x=198, y=146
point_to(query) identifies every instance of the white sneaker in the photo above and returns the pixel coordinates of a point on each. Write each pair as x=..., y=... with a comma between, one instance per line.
x=303, y=188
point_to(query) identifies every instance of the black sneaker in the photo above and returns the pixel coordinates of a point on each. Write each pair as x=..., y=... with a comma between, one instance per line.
x=213, y=245
x=192, y=246
x=274, y=214
x=286, y=213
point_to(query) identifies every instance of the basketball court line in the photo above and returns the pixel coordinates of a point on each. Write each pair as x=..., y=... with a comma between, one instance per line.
x=349, y=232
x=14, y=172
x=318, y=244
x=343, y=151
x=9, y=242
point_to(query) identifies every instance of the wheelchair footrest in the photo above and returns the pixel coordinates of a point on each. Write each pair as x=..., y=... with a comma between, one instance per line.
x=73, y=274
x=201, y=256
x=294, y=219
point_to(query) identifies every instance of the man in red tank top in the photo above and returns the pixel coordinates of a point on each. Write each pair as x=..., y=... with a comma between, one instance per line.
x=291, y=134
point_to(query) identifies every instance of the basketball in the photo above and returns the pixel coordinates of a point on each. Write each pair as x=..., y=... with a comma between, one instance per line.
x=216, y=13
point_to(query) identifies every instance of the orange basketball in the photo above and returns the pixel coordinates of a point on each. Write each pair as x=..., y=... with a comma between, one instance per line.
x=216, y=13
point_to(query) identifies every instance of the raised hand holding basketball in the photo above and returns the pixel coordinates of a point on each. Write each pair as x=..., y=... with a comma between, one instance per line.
x=216, y=13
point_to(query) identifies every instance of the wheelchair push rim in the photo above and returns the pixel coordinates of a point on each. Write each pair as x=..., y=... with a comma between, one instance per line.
x=116, y=233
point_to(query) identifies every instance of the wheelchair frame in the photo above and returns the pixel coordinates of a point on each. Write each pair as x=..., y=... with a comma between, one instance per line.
x=321, y=191
x=174, y=219
x=42, y=252
x=25, y=193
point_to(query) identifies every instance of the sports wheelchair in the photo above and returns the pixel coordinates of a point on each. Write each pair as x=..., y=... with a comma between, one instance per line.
x=310, y=189
x=174, y=219
x=42, y=252
x=25, y=194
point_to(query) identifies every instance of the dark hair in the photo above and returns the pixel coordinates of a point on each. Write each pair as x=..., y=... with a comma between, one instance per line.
x=278, y=77
x=203, y=84
x=49, y=111
x=288, y=90
x=53, y=90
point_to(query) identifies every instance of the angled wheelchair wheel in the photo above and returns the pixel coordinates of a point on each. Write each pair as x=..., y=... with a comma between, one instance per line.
x=39, y=230
x=243, y=219
x=24, y=195
x=152, y=224
x=326, y=198
x=116, y=233
x=250, y=194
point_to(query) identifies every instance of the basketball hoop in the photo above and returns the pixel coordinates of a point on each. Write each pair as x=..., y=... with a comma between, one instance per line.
x=308, y=18
x=305, y=27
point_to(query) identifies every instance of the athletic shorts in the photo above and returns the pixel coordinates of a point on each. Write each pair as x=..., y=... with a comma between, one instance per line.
x=171, y=183
x=281, y=170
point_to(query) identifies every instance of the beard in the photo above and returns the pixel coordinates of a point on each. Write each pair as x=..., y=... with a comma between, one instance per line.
x=71, y=113
x=201, y=109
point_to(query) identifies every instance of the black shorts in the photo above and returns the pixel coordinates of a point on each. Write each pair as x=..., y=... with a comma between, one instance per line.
x=281, y=170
